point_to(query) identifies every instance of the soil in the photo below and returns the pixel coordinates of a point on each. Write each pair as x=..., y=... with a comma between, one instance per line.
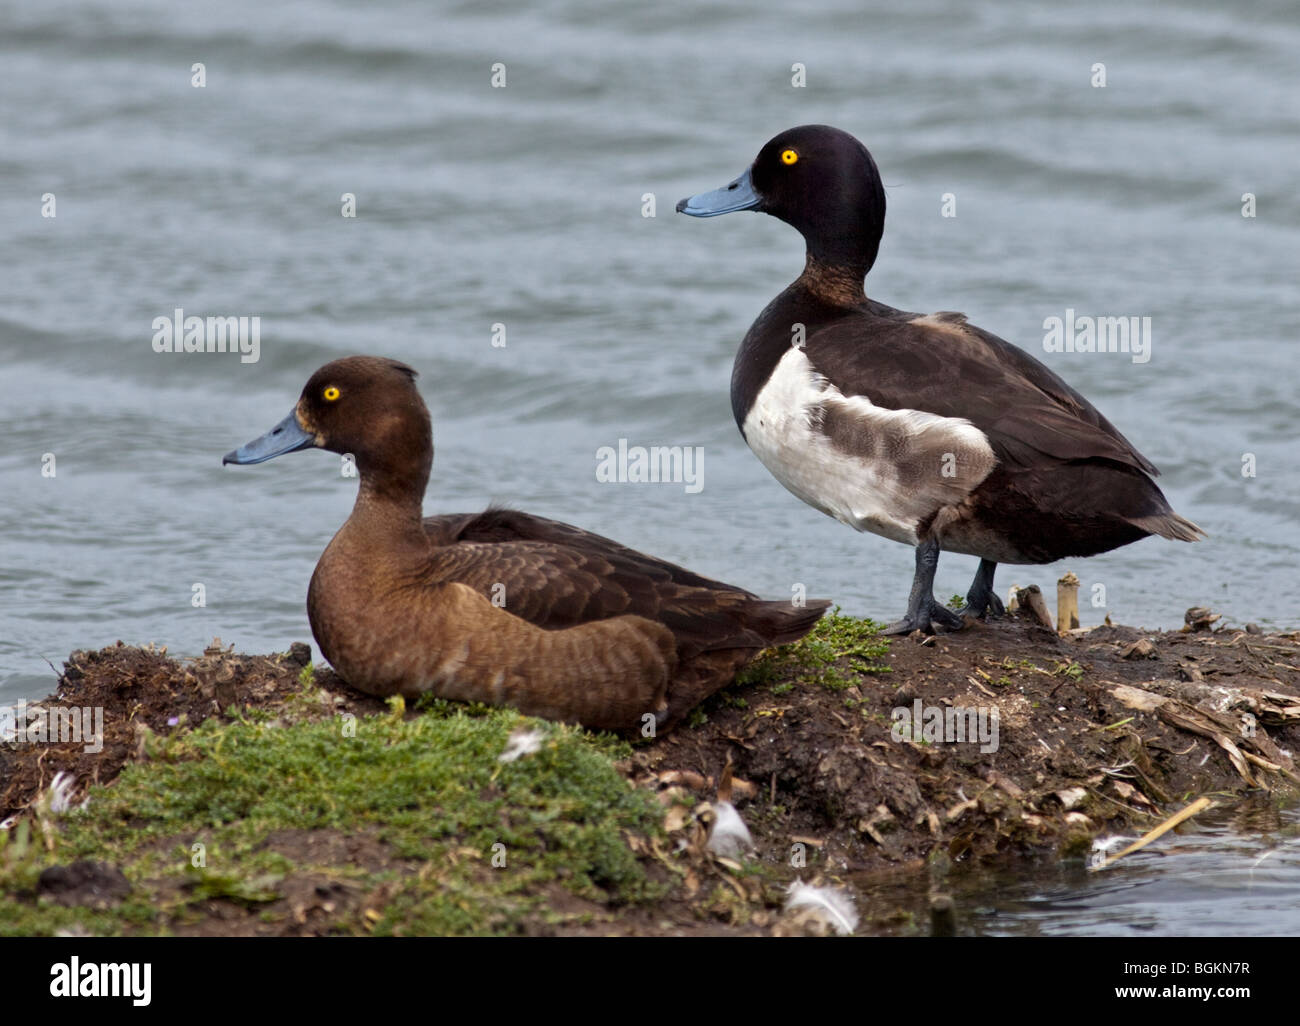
x=143, y=691
x=869, y=803
x=1101, y=731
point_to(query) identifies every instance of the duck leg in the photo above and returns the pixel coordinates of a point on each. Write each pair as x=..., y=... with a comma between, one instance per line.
x=982, y=598
x=923, y=612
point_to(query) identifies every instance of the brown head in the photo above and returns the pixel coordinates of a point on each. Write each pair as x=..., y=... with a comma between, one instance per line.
x=366, y=406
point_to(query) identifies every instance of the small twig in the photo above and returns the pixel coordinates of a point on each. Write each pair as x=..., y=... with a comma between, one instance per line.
x=1265, y=764
x=58, y=675
x=1197, y=806
x=1126, y=808
x=1258, y=644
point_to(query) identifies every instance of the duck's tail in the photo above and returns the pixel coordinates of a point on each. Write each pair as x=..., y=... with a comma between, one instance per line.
x=1170, y=525
x=782, y=622
x=703, y=670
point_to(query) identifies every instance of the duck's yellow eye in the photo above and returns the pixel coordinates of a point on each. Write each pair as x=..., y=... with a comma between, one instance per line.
x=330, y=394
x=789, y=156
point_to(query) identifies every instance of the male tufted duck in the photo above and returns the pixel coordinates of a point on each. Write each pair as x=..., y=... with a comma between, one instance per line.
x=924, y=429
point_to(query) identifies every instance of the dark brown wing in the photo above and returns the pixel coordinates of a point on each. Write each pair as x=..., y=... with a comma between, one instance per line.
x=556, y=575
x=942, y=365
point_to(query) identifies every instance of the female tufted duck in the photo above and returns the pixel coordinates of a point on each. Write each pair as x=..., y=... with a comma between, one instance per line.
x=924, y=429
x=501, y=607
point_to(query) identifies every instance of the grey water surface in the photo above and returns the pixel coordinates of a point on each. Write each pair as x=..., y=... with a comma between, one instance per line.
x=523, y=207
x=1234, y=873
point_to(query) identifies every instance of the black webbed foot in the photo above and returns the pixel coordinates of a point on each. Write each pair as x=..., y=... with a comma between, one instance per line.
x=926, y=619
x=982, y=600
x=923, y=612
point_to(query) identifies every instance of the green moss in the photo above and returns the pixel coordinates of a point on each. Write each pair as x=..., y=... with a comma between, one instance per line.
x=20, y=857
x=836, y=654
x=469, y=844
x=1076, y=844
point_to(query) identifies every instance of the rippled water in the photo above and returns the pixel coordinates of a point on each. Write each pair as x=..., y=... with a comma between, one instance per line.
x=523, y=206
x=1236, y=873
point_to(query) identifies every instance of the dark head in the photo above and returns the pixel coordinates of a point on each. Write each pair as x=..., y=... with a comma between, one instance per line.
x=818, y=179
x=367, y=406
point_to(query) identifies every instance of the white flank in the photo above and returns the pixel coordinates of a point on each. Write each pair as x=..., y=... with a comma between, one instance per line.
x=909, y=465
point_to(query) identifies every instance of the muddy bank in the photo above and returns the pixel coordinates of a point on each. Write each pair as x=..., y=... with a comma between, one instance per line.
x=145, y=694
x=842, y=763
x=1100, y=731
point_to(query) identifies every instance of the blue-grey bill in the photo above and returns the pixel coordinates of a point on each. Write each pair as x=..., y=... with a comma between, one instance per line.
x=286, y=436
x=739, y=195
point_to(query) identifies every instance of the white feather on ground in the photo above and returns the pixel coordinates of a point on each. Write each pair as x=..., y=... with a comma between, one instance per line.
x=60, y=792
x=832, y=905
x=522, y=742
x=730, y=837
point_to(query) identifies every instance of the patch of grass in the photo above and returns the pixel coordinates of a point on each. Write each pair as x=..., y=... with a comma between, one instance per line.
x=20, y=857
x=472, y=845
x=249, y=890
x=835, y=654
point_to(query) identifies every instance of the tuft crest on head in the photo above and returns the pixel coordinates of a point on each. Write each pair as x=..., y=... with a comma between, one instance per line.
x=823, y=182
x=406, y=369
